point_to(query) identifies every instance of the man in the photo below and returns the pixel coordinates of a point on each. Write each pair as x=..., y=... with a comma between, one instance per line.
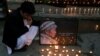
x=20, y=29
x=48, y=32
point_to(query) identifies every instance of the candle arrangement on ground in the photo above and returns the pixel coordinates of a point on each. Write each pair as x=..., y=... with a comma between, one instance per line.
x=58, y=50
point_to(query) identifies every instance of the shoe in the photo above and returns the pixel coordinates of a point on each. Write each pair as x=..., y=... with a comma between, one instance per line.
x=22, y=49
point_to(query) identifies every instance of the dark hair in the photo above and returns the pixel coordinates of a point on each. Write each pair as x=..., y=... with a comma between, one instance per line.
x=27, y=7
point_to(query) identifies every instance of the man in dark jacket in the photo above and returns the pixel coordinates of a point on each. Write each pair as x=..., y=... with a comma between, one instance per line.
x=20, y=29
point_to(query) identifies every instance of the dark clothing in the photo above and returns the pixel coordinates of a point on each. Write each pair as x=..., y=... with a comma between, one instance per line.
x=14, y=28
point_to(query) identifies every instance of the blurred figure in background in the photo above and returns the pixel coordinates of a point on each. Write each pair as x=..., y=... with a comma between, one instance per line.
x=20, y=29
x=48, y=32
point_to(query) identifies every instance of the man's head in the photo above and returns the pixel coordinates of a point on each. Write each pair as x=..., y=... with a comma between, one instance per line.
x=27, y=9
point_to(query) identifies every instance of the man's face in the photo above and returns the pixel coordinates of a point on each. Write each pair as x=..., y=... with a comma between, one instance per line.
x=27, y=16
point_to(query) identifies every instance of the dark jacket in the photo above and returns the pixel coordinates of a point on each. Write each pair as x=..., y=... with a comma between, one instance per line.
x=14, y=28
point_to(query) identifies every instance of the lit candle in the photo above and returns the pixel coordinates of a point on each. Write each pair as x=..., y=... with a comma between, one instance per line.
x=67, y=55
x=56, y=11
x=50, y=52
x=84, y=11
x=68, y=10
x=79, y=51
x=42, y=50
x=50, y=10
x=71, y=10
x=48, y=55
x=75, y=10
x=77, y=55
x=65, y=10
x=47, y=49
x=96, y=27
x=91, y=52
x=66, y=50
x=50, y=45
x=63, y=50
x=42, y=55
x=72, y=49
x=55, y=54
x=60, y=54
x=64, y=47
x=79, y=10
x=56, y=47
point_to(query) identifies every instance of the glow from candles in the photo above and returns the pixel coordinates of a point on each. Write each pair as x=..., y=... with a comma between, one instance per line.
x=50, y=52
x=76, y=54
x=67, y=55
x=60, y=54
x=66, y=50
x=63, y=50
x=42, y=55
x=56, y=11
x=91, y=52
x=64, y=47
x=72, y=49
x=50, y=45
x=42, y=50
x=47, y=49
x=55, y=54
x=56, y=47
x=96, y=27
x=50, y=10
x=79, y=51
x=48, y=55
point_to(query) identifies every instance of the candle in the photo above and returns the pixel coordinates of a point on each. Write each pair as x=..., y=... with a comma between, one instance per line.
x=64, y=47
x=56, y=47
x=91, y=52
x=63, y=50
x=68, y=10
x=79, y=10
x=48, y=55
x=67, y=54
x=50, y=45
x=42, y=55
x=88, y=10
x=84, y=11
x=79, y=51
x=76, y=54
x=50, y=52
x=50, y=10
x=56, y=11
x=72, y=49
x=42, y=50
x=55, y=54
x=66, y=50
x=96, y=27
x=71, y=10
x=47, y=49
x=60, y=54
x=65, y=10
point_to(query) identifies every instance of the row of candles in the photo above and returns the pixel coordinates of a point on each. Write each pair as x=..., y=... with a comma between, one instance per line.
x=72, y=10
x=58, y=51
x=70, y=2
